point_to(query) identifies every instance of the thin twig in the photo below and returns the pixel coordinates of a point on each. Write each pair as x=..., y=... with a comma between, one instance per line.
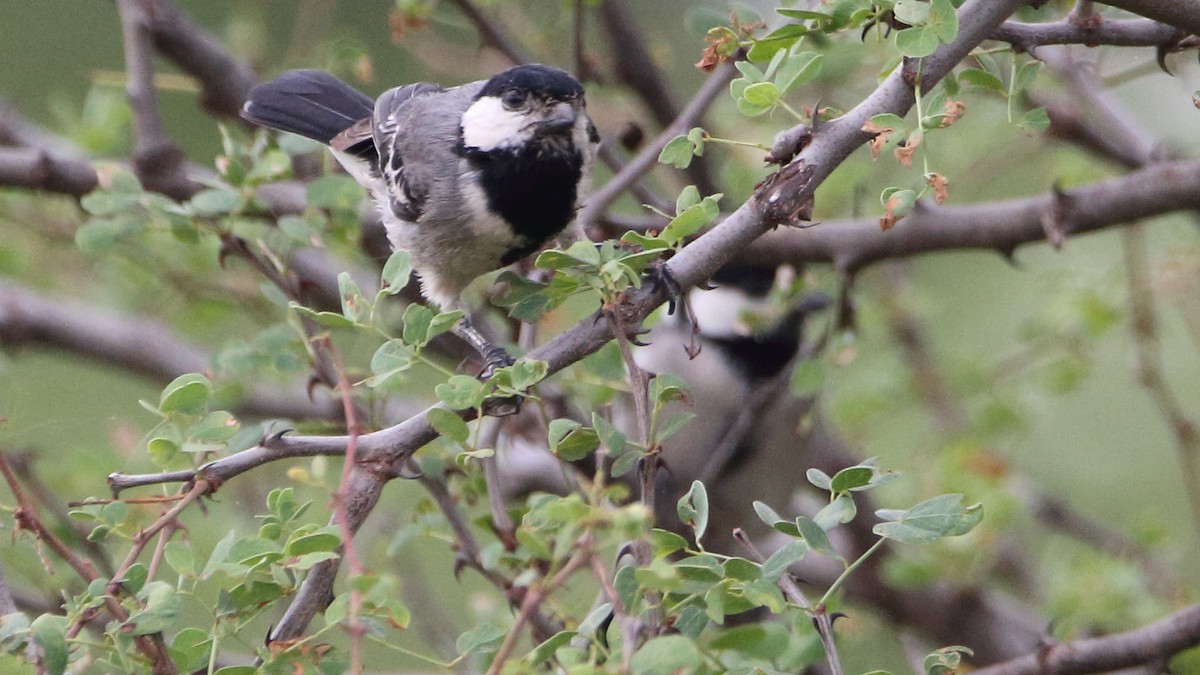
x=340, y=499
x=534, y=596
x=1150, y=365
x=645, y=160
x=491, y=32
x=501, y=520
x=821, y=619
x=25, y=515
x=157, y=160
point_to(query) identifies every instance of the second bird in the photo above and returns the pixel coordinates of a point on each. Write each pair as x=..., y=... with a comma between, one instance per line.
x=467, y=179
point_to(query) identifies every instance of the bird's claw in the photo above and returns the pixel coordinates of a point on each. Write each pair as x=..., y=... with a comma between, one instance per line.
x=495, y=358
x=665, y=278
x=501, y=406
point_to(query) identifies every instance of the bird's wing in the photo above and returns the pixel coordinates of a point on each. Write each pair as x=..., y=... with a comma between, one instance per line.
x=383, y=130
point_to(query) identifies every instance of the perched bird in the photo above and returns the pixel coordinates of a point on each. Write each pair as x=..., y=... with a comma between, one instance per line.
x=467, y=179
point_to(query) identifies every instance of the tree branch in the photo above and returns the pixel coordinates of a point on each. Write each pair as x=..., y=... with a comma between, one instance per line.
x=491, y=33
x=999, y=226
x=1184, y=14
x=1159, y=640
x=224, y=81
x=137, y=344
x=637, y=70
x=157, y=161
x=1116, y=32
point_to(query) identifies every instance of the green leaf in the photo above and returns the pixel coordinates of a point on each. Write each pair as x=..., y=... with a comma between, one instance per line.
x=982, y=79
x=750, y=71
x=327, y=319
x=1034, y=121
x=780, y=39
x=805, y=14
x=839, y=511
x=162, y=449
x=766, y=513
x=483, y=636
x=461, y=392
x=390, y=360
x=591, y=623
x=688, y=197
x=944, y=20
x=692, y=219
x=570, y=440
x=312, y=543
x=815, y=535
x=946, y=661
x=932, y=519
x=220, y=553
x=182, y=558
x=672, y=425
x=336, y=192
x=212, y=203
x=776, y=60
x=1026, y=74
x=665, y=543
x=798, y=70
x=187, y=393
x=678, y=152
x=161, y=607
x=417, y=320
x=190, y=649
x=396, y=271
x=354, y=305
x=783, y=558
x=665, y=654
x=851, y=477
x=135, y=578
x=448, y=424
x=528, y=372
x=916, y=42
x=762, y=94
x=819, y=478
x=49, y=633
x=545, y=651
x=693, y=509
x=912, y=12
x=751, y=109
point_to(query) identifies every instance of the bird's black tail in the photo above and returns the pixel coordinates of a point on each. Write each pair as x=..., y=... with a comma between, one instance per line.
x=311, y=103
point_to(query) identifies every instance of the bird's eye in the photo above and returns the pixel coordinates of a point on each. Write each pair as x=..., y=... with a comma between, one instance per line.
x=513, y=99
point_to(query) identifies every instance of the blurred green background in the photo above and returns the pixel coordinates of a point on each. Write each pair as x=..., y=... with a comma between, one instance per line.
x=1078, y=424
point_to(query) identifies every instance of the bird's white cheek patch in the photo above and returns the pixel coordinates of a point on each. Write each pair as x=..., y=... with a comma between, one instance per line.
x=486, y=125
x=718, y=312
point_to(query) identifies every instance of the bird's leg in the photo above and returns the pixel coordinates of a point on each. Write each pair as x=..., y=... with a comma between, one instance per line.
x=493, y=358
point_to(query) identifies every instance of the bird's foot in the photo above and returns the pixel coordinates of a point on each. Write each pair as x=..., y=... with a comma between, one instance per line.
x=664, y=278
x=495, y=358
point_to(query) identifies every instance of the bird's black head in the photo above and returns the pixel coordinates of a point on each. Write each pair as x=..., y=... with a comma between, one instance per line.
x=550, y=84
x=530, y=107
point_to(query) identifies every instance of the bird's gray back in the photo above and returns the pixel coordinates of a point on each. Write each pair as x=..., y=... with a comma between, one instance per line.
x=417, y=127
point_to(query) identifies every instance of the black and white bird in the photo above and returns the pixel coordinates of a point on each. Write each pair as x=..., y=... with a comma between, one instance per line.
x=467, y=179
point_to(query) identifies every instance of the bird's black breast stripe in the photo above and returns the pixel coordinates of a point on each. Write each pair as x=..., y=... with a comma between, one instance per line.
x=533, y=189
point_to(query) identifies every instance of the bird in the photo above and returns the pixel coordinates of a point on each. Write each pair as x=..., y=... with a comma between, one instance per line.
x=467, y=179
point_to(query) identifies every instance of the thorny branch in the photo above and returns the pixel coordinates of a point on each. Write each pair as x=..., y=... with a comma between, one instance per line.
x=157, y=161
x=391, y=446
x=1150, y=644
x=152, y=645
